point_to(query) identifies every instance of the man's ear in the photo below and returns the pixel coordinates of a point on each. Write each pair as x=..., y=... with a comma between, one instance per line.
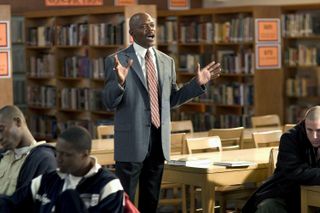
x=86, y=153
x=18, y=121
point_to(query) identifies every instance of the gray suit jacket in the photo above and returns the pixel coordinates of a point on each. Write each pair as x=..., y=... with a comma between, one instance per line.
x=132, y=117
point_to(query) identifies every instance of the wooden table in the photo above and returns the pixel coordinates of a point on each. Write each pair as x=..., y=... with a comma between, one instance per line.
x=310, y=196
x=208, y=178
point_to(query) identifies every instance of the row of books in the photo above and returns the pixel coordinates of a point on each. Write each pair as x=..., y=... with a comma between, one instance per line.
x=41, y=96
x=188, y=62
x=71, y=98
x=233, y=94
x=196, y=32
x=72, y=34
x=43, y=126
x=302, y=56
x=42, y=66
x=296, y=112
x=236, y=62
x=300, y=24
x=106, y=34
x=46, y=126
x=301, y=87
x=19, y=88
x=73, y=67
x=167, y=32
x=237, y=30
x=76, y=34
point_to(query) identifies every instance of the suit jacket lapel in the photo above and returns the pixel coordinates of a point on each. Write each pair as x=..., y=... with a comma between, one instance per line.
x=136, y=66
x=160, y=66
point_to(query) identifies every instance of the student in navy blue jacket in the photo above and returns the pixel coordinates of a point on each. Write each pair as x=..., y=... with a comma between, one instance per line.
x=21, y=157
x=79, y=184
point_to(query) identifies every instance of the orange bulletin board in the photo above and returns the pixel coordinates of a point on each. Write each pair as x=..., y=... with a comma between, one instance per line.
x=4, y=37
x=4, y=64
x=268, y=56
x=124, y=2
x=73, y=2
x=267, y=30
x=178, y=4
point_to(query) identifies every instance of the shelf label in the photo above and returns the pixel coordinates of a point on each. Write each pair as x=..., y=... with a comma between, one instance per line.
x=4, y=34
x=4, y=64
x=178, y=4
x=51, y=3
x=125, y=2
x=268, y=56
x=267, y=30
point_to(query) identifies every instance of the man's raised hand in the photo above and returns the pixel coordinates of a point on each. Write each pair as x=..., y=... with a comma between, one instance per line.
x=121, y=71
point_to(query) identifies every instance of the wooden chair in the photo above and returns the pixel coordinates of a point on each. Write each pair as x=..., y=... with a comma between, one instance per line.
x=273, y=160
x=267, y=138
x=265, y=121
x=182, y=126
x=223, y=193
x=105, y=131
x=177, y=141
x=286, y=127
x=231, y=138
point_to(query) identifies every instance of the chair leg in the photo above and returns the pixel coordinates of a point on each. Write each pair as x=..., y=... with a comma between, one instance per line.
x=184, y=199
x=192, y=199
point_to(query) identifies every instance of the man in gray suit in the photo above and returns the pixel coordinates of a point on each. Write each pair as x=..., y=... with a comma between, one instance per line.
x=142, y=124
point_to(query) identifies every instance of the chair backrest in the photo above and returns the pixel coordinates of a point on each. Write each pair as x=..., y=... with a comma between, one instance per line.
x=265, y=121
x=273, y=159
x=231, y=138
x=177, y=143
x=182, y=126
x=105, y=131
x=267, y=138
x=286, y=127
x=205, y=144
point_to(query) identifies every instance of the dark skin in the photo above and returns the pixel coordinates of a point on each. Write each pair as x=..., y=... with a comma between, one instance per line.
x=143, y=31
x=14, y=133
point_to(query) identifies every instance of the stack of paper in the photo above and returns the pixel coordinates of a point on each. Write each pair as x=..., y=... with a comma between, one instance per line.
x=191, y=161
x=234, y=163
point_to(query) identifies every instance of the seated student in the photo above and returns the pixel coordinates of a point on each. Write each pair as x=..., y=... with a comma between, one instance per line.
x=298, y=164
x=21, y=158
x=79, y=184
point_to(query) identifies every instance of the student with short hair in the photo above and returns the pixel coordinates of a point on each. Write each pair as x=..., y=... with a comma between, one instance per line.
x=78, y=185
x=22, y=158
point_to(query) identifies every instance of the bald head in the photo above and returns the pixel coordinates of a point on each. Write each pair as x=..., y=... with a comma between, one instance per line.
x=11, y=113
x=313, y=114
x=136, y=19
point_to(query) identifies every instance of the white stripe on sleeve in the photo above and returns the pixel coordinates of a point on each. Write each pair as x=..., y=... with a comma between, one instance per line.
x=110, y=188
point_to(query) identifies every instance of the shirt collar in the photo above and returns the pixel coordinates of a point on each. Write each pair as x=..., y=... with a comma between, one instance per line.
x=91, y=172
x=18, y=152
x=141, y=51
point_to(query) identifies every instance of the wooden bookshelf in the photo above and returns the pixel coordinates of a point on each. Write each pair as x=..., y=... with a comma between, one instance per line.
x=225, y=35
x=6, y=83
x=301, y=52
x=18, y=61
x=65, y=51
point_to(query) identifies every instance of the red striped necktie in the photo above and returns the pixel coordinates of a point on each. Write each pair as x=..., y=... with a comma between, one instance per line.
x=153, y=90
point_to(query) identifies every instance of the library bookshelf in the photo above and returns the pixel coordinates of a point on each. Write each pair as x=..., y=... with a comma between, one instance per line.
x=301, y=36
x=225, y=35
x=6, y=96
x=65, y=51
